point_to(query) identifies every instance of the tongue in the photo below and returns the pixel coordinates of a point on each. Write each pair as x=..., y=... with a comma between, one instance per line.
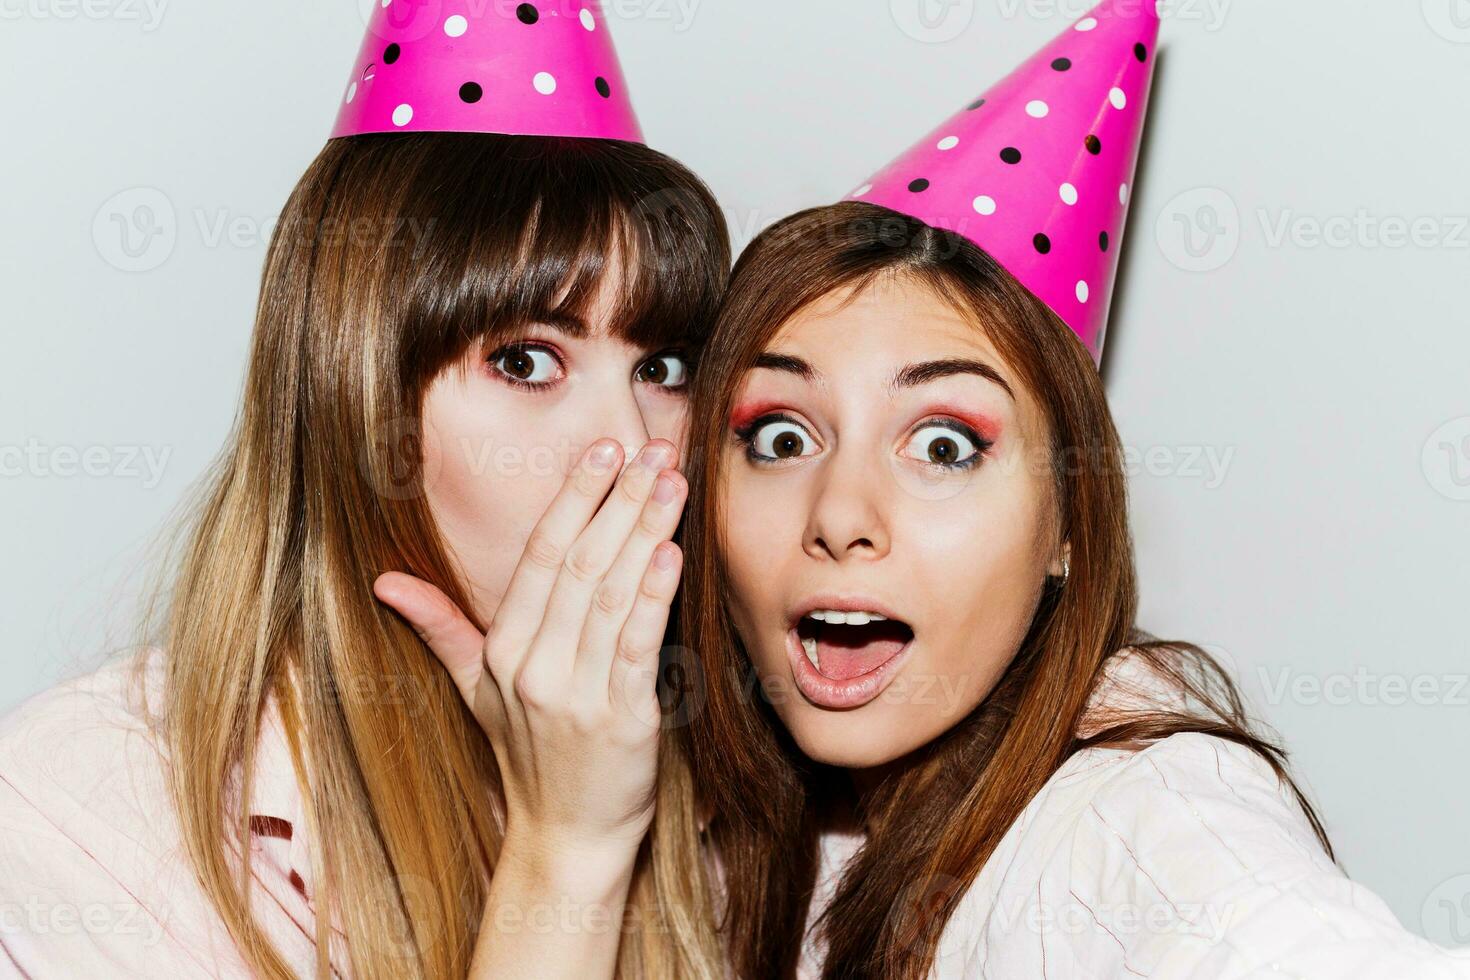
x=845, y=652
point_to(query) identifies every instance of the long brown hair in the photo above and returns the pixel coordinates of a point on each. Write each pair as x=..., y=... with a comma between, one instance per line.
x=394, y=255
x=933, y=825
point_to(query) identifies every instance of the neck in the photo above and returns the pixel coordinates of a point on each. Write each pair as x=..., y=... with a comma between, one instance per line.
x=866, y=781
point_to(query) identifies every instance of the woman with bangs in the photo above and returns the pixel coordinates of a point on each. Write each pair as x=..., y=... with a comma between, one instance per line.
x=467, y=391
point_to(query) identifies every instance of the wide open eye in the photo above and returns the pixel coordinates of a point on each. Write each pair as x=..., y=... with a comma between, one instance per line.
x=780, y=439
x=665, y=370
x=943, y=444
x=525, y=364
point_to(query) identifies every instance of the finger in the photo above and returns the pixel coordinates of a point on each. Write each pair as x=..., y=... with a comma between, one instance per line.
x=634, y=672
x=614, y=599
x=523, y=606
x=440, y=623
x=591, y=558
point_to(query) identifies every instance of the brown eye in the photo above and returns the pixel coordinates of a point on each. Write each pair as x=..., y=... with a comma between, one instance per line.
x=941, y=445
x=530, y=365
x=666, y=370
x=780, y=440
x=519, y=365
x=943, y=450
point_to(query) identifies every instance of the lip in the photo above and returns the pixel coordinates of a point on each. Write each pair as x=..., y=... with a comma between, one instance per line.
x=841, y=603
x=824, y=692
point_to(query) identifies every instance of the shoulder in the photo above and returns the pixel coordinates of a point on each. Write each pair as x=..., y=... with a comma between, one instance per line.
x=91, y=851
x=1196, y=855
x=1187, y=857
x=87, y=739
x=1203, y=792
x=88, y=867
x=82, y=771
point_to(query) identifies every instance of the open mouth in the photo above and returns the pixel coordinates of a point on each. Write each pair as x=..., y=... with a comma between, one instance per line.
x=845, y=645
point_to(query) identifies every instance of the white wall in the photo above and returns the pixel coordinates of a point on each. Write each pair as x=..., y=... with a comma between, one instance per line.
x=1300, y=409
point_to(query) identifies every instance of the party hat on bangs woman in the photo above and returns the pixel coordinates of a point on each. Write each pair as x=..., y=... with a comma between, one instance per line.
x=466, y=66
x=1039, y=170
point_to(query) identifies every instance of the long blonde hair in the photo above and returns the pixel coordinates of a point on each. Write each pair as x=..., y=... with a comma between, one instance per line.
x=392, y=257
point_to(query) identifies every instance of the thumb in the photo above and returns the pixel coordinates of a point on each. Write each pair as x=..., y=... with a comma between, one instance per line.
x=440, y=624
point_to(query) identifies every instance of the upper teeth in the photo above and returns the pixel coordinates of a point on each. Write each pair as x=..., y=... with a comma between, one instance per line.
x=845, y=618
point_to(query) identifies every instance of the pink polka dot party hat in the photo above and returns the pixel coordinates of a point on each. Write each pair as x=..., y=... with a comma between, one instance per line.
x=544, y=68
x=1038, y=171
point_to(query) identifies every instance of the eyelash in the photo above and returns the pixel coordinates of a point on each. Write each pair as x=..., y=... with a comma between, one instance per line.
x=519, y=347
x=982, y=445
x=522, y=385
x=745, y=436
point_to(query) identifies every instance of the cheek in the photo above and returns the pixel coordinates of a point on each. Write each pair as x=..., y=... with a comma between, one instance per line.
x=981, y=575
x=762, y=536
x=490, y=470
x=666, y=417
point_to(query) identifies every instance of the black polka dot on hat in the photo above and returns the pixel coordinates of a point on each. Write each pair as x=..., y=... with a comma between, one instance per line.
x=976, y=104
x=1094, y=145
x=1042, y=243
x=603, y=89
x=471, y=92
x=1062, y=64
x=528, y=13
x=920, y=185
x=1011, y=155
x=1140, y=52
x=1102, y=241
x=391, y=54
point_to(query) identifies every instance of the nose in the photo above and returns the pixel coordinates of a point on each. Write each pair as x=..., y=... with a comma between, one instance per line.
x=848, y=519
x=617, y=415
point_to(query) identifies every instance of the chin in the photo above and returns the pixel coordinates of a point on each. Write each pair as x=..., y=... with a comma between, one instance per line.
x=854, y=739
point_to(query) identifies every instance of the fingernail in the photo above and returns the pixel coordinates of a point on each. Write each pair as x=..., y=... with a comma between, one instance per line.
x=654, y=457
x=664, y=559
x=603, y=456
x=665, y=490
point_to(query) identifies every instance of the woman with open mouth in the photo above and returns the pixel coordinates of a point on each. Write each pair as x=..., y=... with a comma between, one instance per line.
x=933, y=740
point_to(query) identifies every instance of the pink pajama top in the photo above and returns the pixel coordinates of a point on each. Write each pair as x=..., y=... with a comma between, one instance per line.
x=1185, y=859
x=94, y=881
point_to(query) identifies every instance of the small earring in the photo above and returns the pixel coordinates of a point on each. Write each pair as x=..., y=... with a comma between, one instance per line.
x=1066, y=568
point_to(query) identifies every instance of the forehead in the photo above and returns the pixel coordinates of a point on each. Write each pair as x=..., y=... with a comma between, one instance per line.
x=893, y=318
x=863, y=335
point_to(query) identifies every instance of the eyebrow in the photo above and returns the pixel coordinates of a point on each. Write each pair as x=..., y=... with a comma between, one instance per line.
x=911, y=376
x=787, y=364
x=918, y=374
x=573, y=326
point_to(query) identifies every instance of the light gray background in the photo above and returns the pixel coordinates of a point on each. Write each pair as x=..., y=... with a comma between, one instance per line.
x=1288, y=356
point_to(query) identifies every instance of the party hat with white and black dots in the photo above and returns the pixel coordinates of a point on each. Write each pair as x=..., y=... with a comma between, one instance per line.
x=1038, y=171
x=461, y=66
